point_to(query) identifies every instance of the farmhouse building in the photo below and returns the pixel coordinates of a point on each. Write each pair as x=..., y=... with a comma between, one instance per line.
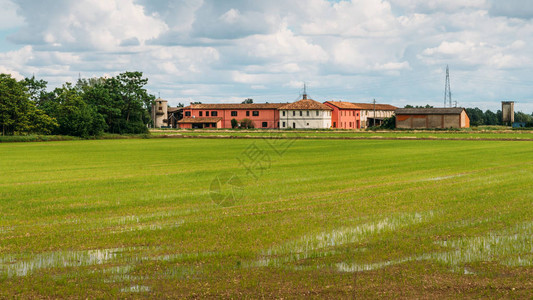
x=345, y=115
x=263, y=115
x=418, y=118
x=305, y=114
x=374, y=113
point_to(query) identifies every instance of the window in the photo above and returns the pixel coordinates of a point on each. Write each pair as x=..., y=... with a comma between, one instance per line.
x=334, y=124
x=283, y=124
x=293, y=113
x=187, y=113
x=358, y=114
x=207, y=114
x=234, y=113
x=214, y=114
x=284, y=113
x=301, y=113
x=265, y=124
x=255, y=113
x=200, y=113
x=160, y=107
x=308, y=113
x=317, y=113
x=247, y=113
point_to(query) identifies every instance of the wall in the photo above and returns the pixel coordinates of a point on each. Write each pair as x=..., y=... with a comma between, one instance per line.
x=432, y=121
x=271, y=116
x=323, y=120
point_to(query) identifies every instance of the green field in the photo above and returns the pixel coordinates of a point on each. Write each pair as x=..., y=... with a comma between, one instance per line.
x=290, y=218
x=358, y=134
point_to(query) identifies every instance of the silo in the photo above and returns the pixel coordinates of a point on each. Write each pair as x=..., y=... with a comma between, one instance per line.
x=507, y=112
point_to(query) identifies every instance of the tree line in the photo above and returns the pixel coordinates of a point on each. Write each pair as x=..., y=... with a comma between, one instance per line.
x=90, y=107
x=478, y=117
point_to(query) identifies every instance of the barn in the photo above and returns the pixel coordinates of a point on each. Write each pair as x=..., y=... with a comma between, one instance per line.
x=420, y=118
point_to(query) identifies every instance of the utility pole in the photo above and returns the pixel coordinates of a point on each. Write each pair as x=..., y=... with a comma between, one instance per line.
x=374, y=113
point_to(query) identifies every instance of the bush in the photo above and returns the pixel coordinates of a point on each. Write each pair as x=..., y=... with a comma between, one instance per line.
x=247, y=123
x=234, y=123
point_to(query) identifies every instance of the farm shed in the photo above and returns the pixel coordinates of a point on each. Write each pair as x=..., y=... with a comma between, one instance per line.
x=418, y=118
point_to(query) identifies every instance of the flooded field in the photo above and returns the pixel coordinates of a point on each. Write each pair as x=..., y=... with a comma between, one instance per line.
x=226, y=218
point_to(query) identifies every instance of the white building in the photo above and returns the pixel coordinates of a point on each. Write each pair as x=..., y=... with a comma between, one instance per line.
x=374, y=113
x=305, y=114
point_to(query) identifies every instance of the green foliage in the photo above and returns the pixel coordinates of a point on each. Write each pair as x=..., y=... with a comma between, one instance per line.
x=419, y=106
x=246, y=123
x=522, y=117
x=18, y=114
x=389, y=123
x=248, y=101
x=234, y=123
x=74, y=116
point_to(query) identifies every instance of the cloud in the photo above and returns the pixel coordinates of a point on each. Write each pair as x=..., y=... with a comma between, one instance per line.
x=232, y=49
x=85, y=25
x=8, y=15
x=512, y=8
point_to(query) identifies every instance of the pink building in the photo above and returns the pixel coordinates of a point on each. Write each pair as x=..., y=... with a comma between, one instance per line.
x=263, y=115
x=345, y=115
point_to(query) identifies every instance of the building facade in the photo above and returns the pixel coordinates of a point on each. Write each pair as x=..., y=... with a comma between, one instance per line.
x=434, y=118
x=262, y=115
x=305, y=114
x=344, y=115
x=374, y=114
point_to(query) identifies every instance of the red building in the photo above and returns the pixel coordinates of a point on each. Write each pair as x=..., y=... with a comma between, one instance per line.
x=345, y=115
x=263, y=115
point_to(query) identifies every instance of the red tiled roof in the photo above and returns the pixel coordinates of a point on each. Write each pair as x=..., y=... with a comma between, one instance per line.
x=236, y=106
x=305, y=104
x=369, y=106
x=341, y=104
x=363, y=106
x=200, y=120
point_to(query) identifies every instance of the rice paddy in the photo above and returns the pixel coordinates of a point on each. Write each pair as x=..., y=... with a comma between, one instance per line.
x=236, y=218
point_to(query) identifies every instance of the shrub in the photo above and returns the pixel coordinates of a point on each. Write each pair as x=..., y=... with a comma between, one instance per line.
x=247, y=123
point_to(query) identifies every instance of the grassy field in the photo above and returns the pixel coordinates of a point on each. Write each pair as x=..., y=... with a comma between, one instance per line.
x=340, y=134
x=261, y=218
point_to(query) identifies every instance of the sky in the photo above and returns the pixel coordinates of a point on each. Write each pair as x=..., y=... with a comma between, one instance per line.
x=213, y=51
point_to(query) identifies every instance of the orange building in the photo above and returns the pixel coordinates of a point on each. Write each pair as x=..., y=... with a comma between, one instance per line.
x=345, y=115
x=263, y=115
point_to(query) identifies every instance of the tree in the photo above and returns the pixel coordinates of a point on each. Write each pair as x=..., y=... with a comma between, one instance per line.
x=490, y=118
x=418, y=106
x=248, y=101
x=234, y=123
x=521, y=117
x=36, y=89
x=17, y=113
x=74, y=116
x=246, y=123
x=389, y=123
x=475, y=115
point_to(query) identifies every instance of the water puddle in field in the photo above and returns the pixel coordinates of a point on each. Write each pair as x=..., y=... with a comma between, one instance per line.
x=18, y=266
x=508, y=248
x=121, y=261
x=323, y=244
x=136, y=289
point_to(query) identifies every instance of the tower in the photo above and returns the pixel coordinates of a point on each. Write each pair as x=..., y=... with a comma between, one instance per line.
x=447, y=89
